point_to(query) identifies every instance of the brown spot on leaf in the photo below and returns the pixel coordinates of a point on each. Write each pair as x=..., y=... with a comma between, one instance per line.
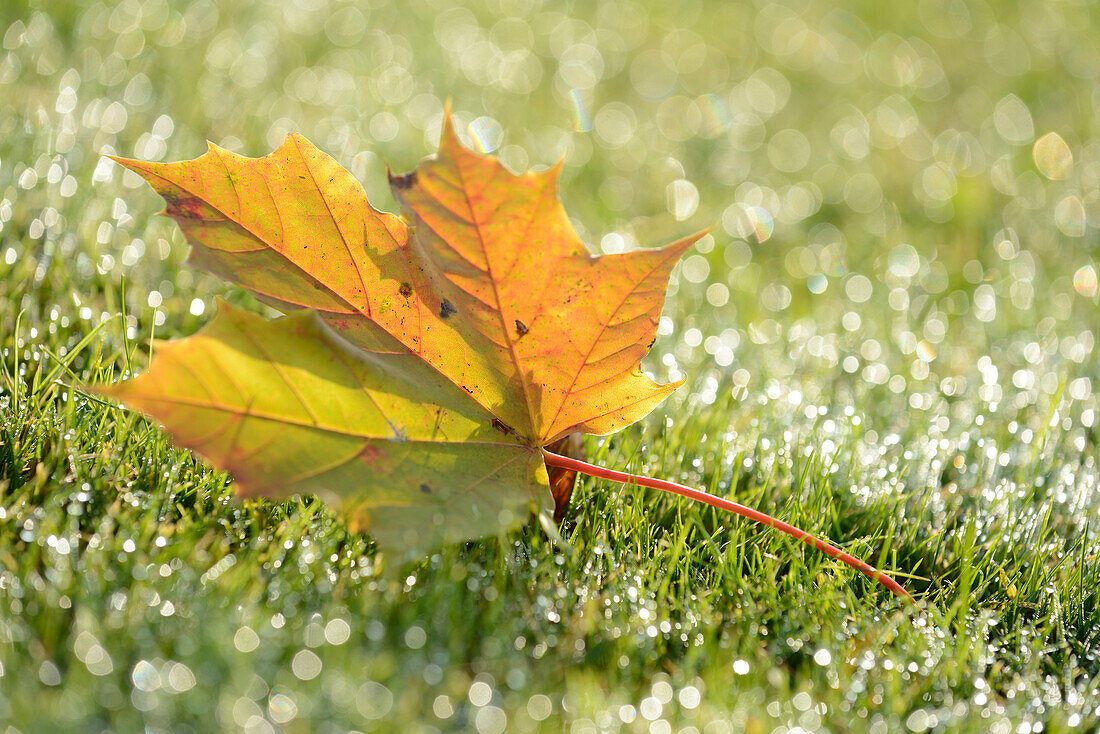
x=403, y=182
x=185, y=207
x=446, y=309
x=405, y=290
x=370, y=454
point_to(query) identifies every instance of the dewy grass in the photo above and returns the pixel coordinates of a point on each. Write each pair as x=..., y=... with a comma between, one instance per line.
x=910, y=370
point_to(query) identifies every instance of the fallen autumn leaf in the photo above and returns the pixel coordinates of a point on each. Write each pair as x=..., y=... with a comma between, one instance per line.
x=438, y=354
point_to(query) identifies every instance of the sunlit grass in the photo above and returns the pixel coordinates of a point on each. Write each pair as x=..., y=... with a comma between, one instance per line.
x=889, y=341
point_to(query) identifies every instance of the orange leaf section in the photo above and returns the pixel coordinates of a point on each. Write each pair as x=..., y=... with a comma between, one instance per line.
x=571, y=326
x=490, y=284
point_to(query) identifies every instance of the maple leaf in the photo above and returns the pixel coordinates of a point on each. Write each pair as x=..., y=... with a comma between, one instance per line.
x=440, y=351
x=428, y=361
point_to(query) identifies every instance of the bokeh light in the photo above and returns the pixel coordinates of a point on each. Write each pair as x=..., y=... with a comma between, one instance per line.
x=905, y=205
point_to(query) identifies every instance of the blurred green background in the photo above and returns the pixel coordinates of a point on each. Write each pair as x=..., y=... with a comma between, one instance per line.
x=889, y=338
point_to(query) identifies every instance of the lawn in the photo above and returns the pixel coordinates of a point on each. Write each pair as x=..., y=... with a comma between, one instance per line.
x=888, y=339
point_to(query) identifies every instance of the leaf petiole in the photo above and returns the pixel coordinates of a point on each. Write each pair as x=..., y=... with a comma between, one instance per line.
x=699, y=495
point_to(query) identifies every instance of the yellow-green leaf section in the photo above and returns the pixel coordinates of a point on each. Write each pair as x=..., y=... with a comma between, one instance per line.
x=287, y=406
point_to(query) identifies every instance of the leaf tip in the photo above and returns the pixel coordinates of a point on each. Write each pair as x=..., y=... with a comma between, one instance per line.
x=119, y=392
x=450, y=144
x=100, y=391
x=559, y=164
x=696, y=236
x=132, y=164
x=683, y=245
x=299, y=141
x=220, y=304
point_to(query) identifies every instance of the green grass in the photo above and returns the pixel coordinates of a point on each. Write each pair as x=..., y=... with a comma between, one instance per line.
x=905, y=365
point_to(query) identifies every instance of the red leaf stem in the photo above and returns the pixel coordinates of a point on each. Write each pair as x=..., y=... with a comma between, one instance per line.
x=600, y=472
